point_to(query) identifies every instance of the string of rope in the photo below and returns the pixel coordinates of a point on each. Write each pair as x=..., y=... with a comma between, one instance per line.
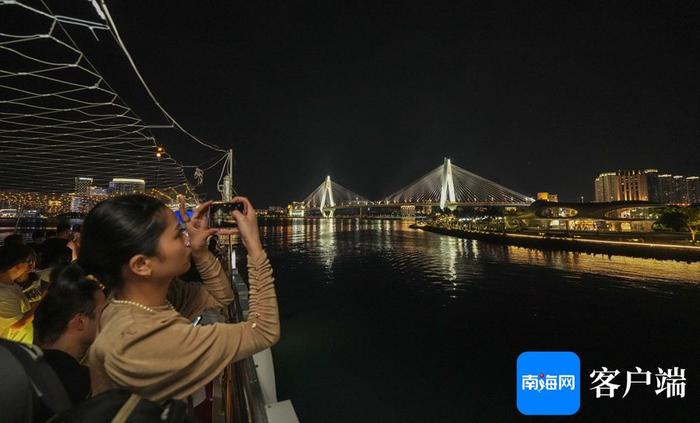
x=60, y=119
x=118, y=39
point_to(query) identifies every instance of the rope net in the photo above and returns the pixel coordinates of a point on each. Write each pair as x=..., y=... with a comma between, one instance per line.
x=61, y=120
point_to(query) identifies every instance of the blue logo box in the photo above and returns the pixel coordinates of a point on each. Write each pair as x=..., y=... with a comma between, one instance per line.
x=548, y=383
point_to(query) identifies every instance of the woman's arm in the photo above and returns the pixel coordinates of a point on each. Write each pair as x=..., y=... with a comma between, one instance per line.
x=172, y=358
x=192, y=298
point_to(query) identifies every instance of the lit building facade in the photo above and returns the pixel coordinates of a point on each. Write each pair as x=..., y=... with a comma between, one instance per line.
x=665, y=182
x=83, y=185
x=623, y=185
x=618, y=216
x=296, y=209
x=548, y=196
x=122, y=186
x=678, y=189
x=647, y=185
x=693, y=183
x=652, y=176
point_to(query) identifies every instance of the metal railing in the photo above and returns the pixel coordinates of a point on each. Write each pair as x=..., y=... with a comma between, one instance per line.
x=242, y=397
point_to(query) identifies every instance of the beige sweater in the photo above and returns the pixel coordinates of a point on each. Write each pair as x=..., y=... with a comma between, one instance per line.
x=159, y=354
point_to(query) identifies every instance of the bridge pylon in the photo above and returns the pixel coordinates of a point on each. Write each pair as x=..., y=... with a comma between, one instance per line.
x=448, y=199
x=327, y=206
x=331, y=196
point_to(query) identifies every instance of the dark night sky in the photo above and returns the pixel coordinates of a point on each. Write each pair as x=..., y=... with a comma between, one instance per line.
x=376, y=93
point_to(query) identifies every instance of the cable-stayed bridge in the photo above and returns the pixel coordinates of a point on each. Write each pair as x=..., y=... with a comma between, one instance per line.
x=448, y=186
x=330, y=196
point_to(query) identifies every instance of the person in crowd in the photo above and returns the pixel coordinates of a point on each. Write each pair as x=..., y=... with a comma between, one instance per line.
x=74, y=242
x=146, y=341
x=38, y=238
x=14, y=239
x=55, y=251
x=16, y=311
x=28, y=281
x=65, y=325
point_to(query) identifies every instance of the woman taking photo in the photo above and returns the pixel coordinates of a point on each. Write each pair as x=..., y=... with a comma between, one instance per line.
x=146, y=341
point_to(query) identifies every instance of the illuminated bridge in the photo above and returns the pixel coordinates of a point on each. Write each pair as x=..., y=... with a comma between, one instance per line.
x=329, y=196
x=447, y=186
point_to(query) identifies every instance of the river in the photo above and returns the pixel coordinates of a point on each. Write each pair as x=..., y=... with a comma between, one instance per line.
x=384, y=323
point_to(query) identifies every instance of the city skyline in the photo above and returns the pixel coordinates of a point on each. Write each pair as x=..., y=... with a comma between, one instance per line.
x=375, y=94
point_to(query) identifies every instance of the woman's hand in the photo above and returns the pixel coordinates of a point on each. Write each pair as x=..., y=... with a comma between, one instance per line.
x=74, y=245
x=198, y=228
x=248, y=227
x=199, y=231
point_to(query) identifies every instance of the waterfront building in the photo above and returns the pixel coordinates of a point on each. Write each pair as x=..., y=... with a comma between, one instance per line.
x=606, y=187
x=652, y=176
x=646, y=185
x=618, y=216
x=296, y=209
x=680, y=190
x=666, y=193
x=622, y=185
x=693, y=183
x=83, y=186
x=121, y=186
x=548, y=196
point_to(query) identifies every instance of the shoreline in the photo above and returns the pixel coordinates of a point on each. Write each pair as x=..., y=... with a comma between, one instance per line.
x=650, y=250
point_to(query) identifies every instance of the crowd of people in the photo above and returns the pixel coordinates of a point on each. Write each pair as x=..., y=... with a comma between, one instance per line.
x=112, y=307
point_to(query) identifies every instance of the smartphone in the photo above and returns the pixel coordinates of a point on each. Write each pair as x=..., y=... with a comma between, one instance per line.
x=221, y=214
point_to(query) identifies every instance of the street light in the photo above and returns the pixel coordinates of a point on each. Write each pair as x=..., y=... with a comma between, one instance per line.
x=159, y=154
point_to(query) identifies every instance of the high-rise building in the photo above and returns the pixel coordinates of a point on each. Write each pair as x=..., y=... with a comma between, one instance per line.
x=680, y=190
x=652, y=176
x=647, y=185
x=693, y=189
x=121, y=186
x=633, y=186
x=607, y=187
x=666, y=193
x=82, y=186
x=623, y=185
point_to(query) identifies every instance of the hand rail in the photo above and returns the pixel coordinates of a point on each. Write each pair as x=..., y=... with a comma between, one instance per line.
x=241, y=392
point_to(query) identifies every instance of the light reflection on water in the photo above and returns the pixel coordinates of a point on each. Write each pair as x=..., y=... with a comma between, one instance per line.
x=454, y=262
x=356, y=295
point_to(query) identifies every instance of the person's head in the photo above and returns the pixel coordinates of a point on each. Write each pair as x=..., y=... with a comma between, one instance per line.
x=14, y=239
x=133, y=237
x=70, y=309
x=55, y=254
x=63, y=230
x=38, y=237
x=16, y=260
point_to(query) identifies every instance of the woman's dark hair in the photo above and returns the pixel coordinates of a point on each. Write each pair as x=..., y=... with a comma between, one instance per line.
x=69, y=294
x=117, y=229
x=13, y=254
